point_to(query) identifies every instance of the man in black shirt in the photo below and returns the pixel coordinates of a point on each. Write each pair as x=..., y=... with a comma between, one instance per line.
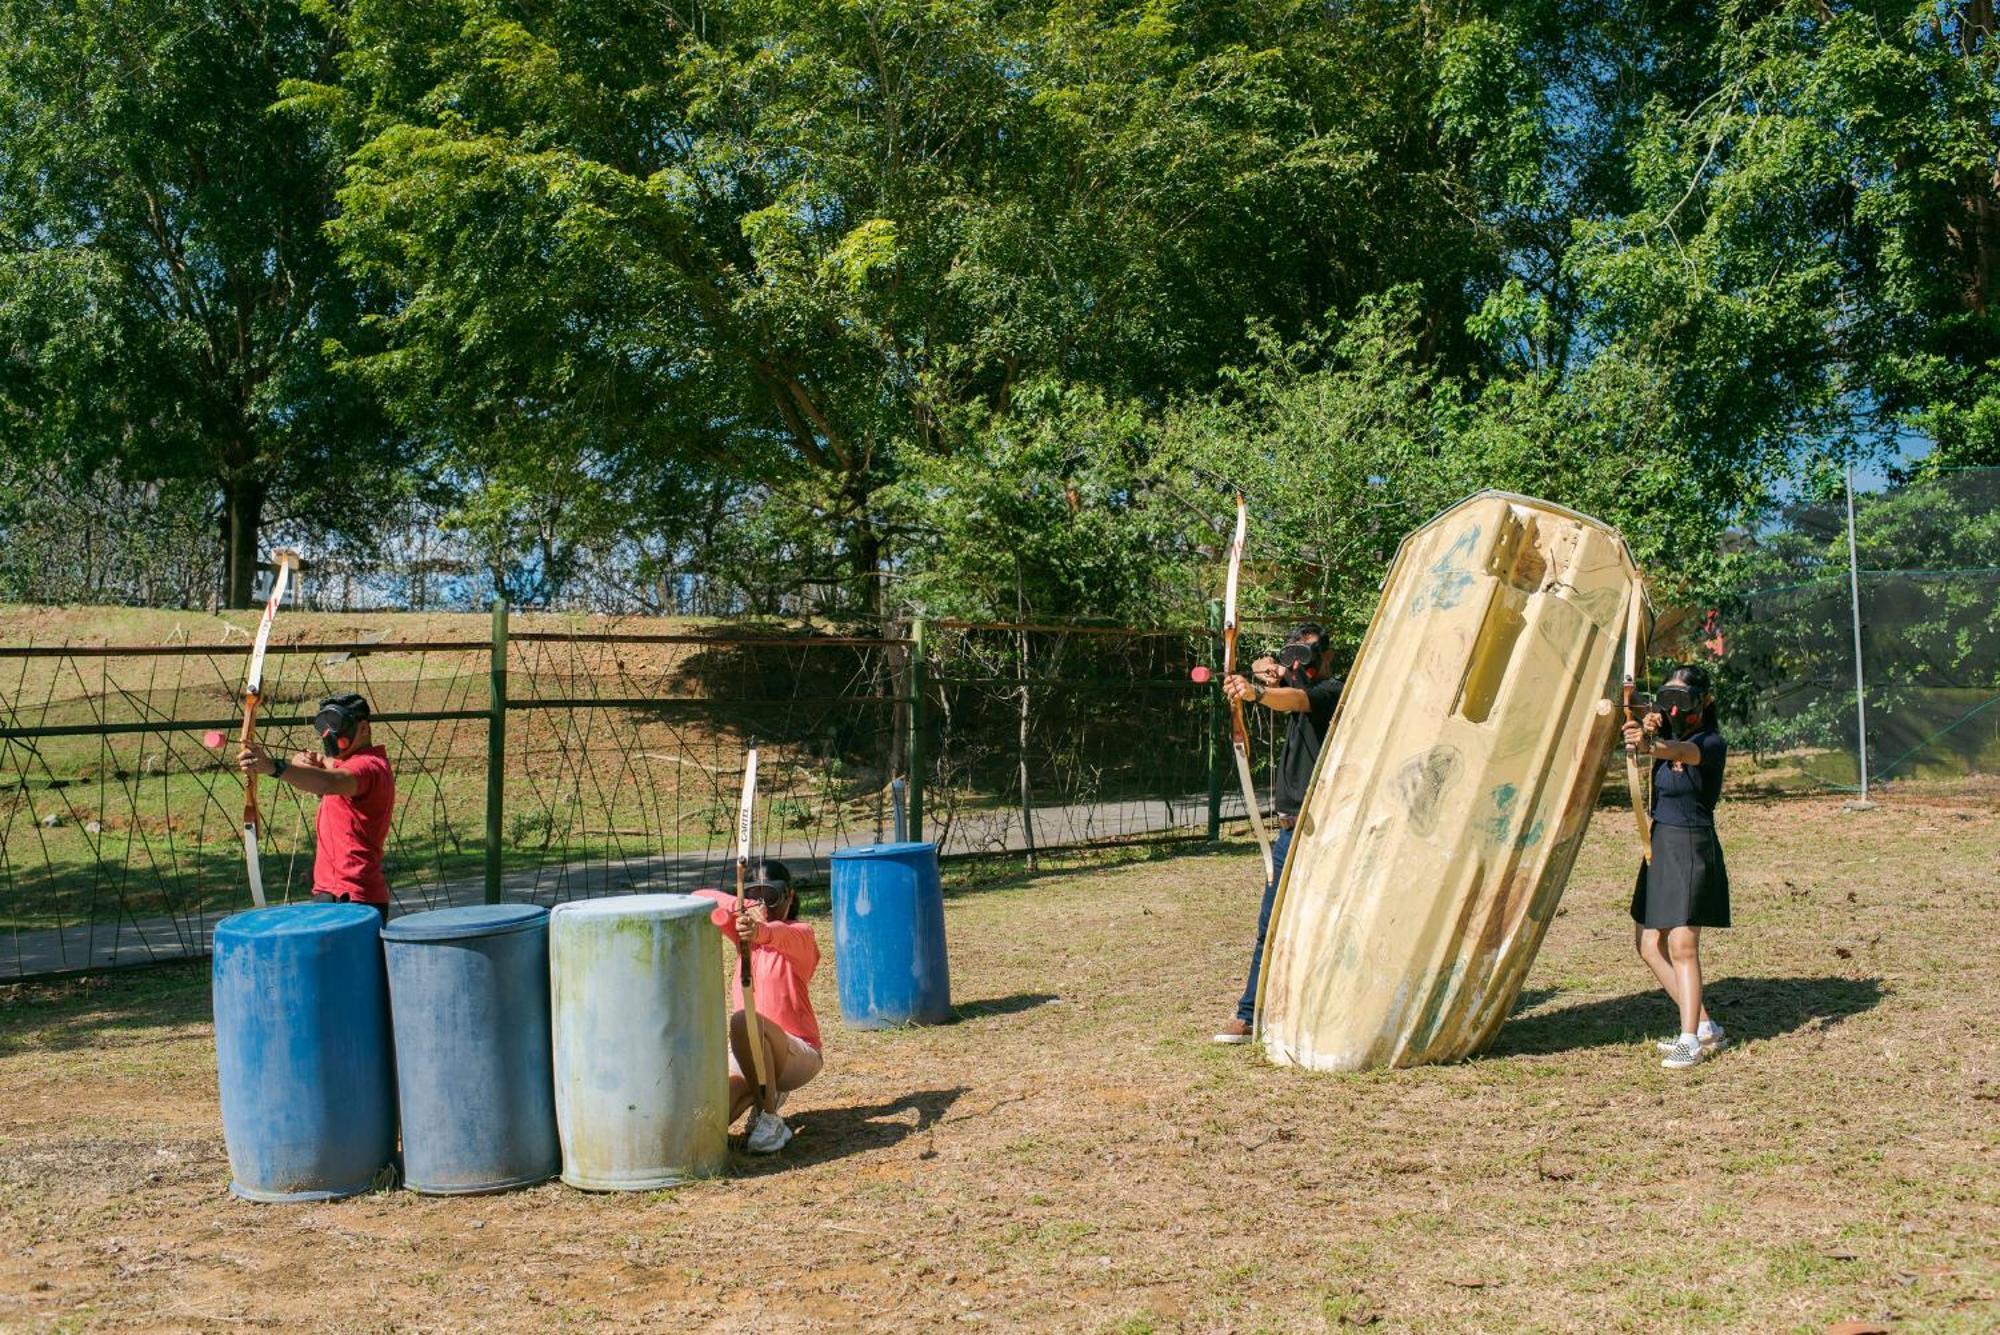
x=1298, y=684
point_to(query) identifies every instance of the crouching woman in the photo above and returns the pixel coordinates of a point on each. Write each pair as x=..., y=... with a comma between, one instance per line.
x=783, y=954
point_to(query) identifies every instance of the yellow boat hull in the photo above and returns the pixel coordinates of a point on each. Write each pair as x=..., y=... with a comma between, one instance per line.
x=1453, y=790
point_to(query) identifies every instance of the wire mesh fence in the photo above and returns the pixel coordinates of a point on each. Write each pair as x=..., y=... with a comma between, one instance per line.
x=1059, y=735
x=624, y=754
x=1926, y=587
x=120, y=806
x=545, y=766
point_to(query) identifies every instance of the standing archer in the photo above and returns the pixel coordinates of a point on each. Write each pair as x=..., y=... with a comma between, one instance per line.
x=1297, y=684
x=1683, y=885
x=357, y=792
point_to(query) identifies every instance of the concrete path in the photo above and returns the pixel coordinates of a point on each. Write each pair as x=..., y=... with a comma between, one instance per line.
x=100, y=944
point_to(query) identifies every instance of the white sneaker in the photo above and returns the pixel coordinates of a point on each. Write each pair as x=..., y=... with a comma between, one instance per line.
x=768, y=1133
x=1687, y=1052
x=1714, y=1042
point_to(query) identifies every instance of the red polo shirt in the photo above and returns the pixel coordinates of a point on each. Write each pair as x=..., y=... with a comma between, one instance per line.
x=347, y=859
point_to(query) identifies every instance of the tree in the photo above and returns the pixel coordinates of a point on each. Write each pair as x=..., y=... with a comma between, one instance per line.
x=1814, y=253
x=802, y=246
x=166, y=290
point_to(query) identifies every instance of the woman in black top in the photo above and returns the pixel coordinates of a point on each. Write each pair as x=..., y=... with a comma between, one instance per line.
x=1685, y=887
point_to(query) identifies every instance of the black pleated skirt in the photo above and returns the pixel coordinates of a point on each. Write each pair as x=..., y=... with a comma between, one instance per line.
x=1687, y=884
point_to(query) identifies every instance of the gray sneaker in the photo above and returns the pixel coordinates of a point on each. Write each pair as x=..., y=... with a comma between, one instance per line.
x=1687, y=1052
x=768, y=1133
x=1715, y=1042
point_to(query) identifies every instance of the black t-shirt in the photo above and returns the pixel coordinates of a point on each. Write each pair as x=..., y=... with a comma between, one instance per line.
x=1304, y=732
x=1687, y=796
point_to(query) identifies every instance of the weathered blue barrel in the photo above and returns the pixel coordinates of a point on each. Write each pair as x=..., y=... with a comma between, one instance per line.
x=302, y=1051
x=641, y=1041
x=469, y=1001
x=888, y=936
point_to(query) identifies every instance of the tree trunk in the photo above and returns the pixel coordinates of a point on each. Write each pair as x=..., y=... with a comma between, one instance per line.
x=867, y=549
x=242, y=516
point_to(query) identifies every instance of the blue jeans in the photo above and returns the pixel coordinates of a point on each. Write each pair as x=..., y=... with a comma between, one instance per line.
x=1246, y=1009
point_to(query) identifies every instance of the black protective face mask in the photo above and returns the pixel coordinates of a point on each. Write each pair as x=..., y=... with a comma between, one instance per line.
x=336, y=732
x=1678, y=709
x=772, y=897
x=1297, y=658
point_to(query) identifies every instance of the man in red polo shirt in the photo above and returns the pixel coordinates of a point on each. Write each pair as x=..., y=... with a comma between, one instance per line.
x=357, y=793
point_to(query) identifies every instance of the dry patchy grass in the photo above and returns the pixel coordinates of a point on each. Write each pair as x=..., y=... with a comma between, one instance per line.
x=1074, y=1154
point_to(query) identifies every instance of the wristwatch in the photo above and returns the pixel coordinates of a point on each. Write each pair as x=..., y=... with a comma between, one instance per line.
x=278, y=767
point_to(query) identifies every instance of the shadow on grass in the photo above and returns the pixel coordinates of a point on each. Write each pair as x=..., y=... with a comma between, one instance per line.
x=825, y=1134
x=1748, y=1008
x=972, y=873
x=70, y=1013
x=1013, y=1004
x=1533, y=997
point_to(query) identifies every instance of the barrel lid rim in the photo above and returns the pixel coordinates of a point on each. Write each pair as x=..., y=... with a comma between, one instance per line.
x=297, y=919
x=670, y=904
x=877, y=850
x=466, y=921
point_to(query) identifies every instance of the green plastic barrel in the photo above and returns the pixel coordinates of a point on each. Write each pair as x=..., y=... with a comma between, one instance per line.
x=641, y=1038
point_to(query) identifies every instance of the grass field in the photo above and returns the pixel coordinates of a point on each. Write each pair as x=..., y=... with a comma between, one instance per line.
x=1074, y=1154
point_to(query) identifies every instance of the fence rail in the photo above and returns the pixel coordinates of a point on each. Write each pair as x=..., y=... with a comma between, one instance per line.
x=545, y=766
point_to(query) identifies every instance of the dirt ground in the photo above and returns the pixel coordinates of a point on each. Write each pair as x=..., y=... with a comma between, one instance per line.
x=1074, y=1154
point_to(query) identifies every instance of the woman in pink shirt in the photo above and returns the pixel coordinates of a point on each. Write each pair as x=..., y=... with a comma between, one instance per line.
x=783, y=955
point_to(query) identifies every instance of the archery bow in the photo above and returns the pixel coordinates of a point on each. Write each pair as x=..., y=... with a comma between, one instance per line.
x=1239, y=735
x=751, y=1030
x=1634, y=629
x=253, y=690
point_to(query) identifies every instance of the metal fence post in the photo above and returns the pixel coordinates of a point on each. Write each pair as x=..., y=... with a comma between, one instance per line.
x=1215, y=725
x=1860, y=676
x=496, y=749
x=919, y=674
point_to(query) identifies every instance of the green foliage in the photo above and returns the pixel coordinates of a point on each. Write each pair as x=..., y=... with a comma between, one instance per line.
x=1931, y=618
x=1812, y=255
x=867, y=297
x=813, y=248
x=166, y=290
x=1055, y=512
x=1351, y=440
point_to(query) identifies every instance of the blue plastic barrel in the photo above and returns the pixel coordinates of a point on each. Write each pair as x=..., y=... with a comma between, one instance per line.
x=469, y=1000
x=641, y=1041
x=888, y=936
x=302, y=1051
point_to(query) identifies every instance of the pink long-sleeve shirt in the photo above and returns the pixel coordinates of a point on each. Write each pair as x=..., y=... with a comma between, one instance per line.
x=782, y=960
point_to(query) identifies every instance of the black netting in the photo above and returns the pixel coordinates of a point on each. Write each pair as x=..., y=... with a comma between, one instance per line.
x=1929, y=604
